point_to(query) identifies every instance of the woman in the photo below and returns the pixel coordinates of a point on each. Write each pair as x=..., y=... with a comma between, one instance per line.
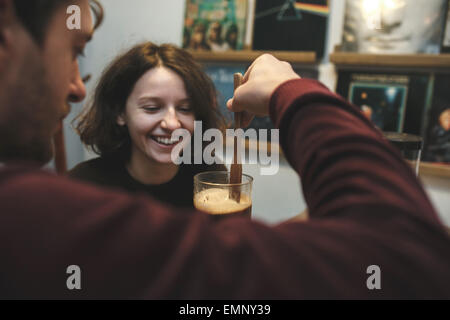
x=141, y=98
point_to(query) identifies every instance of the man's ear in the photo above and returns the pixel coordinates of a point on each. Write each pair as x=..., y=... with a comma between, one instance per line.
x=121, y=120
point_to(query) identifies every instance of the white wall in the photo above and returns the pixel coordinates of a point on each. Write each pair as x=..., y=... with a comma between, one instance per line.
x=438, y=189
x=130, y=22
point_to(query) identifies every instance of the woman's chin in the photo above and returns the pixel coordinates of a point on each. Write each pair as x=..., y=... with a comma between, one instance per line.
x=161, y=159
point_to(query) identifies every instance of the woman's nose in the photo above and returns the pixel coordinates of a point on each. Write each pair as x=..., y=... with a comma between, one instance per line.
x=170, y=120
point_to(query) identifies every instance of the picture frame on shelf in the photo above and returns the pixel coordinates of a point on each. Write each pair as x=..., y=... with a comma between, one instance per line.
x=222, y=76
x=384, y=103
x=394, y=26
x=215, y=25
x=445, y=47
x=437, y=123
x=290, y=25
x=398, y=101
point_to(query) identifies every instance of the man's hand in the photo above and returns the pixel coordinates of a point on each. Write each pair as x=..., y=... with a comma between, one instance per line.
x=262, y=78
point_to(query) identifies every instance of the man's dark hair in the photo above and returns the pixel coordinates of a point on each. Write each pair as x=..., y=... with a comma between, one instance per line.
x=36, y=14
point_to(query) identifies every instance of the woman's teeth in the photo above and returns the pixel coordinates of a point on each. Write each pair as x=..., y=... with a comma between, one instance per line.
x=165, y=141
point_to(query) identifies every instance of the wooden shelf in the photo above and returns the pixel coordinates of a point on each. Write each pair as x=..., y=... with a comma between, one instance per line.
x=248, y=56
x=390, y=60
x=434, y=169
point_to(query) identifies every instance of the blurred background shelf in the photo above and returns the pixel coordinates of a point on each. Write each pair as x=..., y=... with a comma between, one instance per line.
x=434, y=169
x=249, y=55
x=390, y=60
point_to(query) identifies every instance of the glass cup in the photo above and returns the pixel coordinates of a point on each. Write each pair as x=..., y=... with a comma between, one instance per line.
x=214, y=195
x=410, y=146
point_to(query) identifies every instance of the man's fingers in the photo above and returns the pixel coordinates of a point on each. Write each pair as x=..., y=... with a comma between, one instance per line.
x=233, y=104
x=235, y=107
x=247, y=73
x=230, y=104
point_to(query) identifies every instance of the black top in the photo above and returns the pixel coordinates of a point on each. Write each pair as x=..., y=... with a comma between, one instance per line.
x=112, y=173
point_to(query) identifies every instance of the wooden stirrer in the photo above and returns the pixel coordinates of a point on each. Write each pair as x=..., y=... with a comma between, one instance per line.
x=236, y=168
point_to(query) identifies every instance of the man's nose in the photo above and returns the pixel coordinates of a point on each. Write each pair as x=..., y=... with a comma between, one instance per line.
x=170, y=120
x=77, y=90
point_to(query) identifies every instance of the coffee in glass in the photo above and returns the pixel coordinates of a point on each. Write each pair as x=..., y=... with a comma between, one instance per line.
x=213, y=195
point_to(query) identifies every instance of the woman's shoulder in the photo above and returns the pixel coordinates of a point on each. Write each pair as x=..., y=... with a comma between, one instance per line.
x=94, y=169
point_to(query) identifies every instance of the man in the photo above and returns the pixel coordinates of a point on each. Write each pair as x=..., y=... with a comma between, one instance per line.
x=373, y=233
x=42, y=72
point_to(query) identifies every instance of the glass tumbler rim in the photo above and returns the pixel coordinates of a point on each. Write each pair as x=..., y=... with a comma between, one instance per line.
x=198, y=175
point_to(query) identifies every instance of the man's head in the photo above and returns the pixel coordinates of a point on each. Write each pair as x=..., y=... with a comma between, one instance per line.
x=39, y=73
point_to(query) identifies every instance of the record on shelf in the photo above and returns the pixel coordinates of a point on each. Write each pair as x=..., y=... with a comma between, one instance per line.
x=437, y=127
x=445, y=48
x=216, y=25
x=393, y=101
x=290, y=25
x=394, y=26
x=222, y=77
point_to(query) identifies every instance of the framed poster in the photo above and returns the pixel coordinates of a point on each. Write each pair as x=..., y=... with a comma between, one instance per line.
x=216, y=25
x=437, y=127
x=384, y=103
x=291, y=25
x=394, y=26
x=223, y=77
x=393, y=101
x=445, y=48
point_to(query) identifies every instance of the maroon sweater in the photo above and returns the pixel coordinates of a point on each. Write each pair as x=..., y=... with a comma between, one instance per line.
x=366, y=208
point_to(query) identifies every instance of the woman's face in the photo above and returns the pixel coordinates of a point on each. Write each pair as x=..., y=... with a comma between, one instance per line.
x=158, y=105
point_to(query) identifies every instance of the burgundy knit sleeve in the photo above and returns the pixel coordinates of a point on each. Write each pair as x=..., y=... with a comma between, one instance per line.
x=344, y=162
x=366, y=205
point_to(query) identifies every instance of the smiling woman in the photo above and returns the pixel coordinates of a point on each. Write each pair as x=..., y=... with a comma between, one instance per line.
x=142, y=97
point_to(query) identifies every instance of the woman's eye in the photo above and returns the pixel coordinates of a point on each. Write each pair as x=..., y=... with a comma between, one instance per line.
x=151, y=108
x=185, y=109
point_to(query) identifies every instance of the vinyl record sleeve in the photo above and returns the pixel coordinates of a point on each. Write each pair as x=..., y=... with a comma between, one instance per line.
x=393, y=101
x=291, y=25
x=445, y=48
x=216, y=25
x=437, y=127
x=394, y=26
x=222, y=77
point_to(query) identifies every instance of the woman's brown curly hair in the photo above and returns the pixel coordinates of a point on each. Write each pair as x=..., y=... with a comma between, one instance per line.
x=97, y=124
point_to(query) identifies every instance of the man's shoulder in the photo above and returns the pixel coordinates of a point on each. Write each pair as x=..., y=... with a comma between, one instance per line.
x=35, y=185
x=15, y=171
x=26, y=178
